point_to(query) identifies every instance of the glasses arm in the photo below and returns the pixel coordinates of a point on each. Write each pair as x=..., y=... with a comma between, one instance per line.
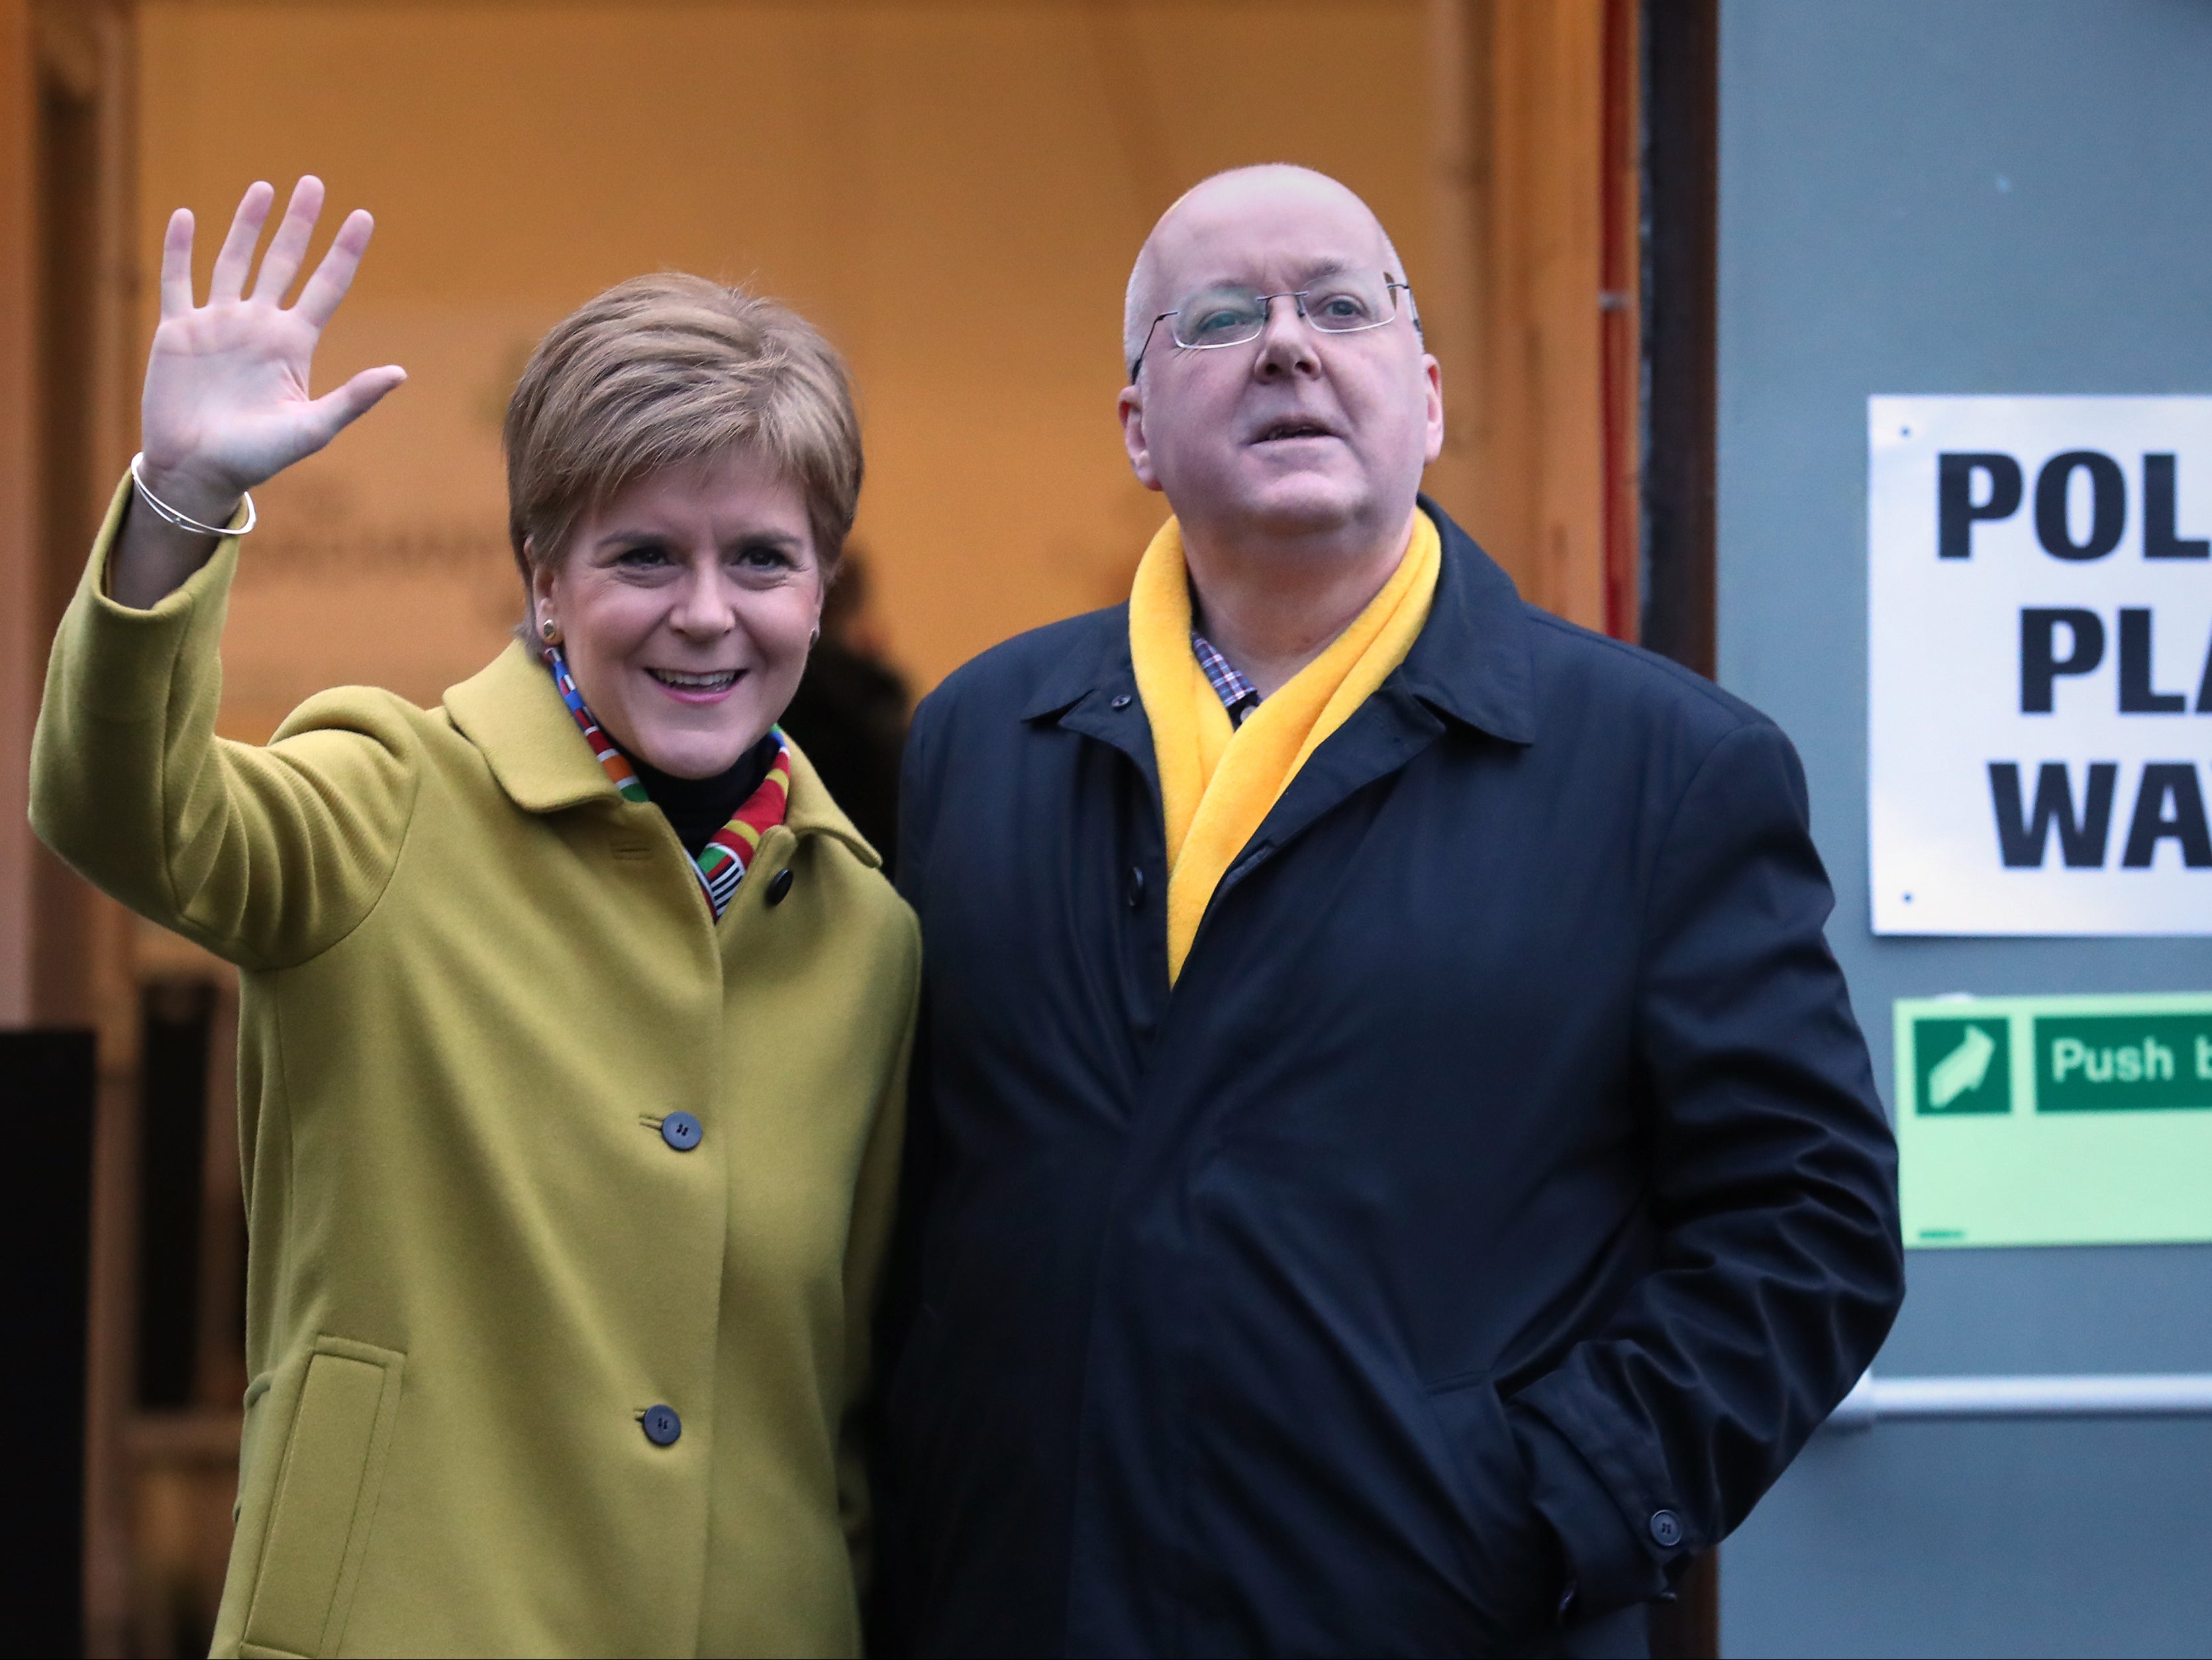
x=1138, y=361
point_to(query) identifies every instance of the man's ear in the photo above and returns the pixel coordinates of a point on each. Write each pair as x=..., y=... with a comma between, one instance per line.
x=1130, y=407
x=1432, y=379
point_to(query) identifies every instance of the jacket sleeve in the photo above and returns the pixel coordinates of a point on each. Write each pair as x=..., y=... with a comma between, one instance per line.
x=1774, y=1192
x=266, y=856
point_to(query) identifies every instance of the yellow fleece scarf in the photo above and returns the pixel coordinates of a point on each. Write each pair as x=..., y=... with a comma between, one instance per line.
x=1218, y=782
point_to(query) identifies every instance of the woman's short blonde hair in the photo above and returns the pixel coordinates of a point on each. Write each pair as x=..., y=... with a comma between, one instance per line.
x=666, y=371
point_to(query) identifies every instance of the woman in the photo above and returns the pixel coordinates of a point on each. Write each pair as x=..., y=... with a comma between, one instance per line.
x=575, y=1014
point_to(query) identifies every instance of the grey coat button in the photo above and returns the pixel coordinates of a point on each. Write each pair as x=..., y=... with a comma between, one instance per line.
x=681, y=1131
x=1122, y=702
x=1136, y=889
x=1666, y=1528
x=662, y=1426
x=778, y=885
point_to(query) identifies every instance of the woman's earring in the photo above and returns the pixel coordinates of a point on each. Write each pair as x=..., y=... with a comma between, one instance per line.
x=549, y=630
x=814, y=639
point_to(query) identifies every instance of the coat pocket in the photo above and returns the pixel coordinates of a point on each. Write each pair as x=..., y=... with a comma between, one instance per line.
x=1504, y=1540
x=326, y=1498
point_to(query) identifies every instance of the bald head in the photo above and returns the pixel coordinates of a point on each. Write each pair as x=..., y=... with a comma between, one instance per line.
x=1245, y=210
x=1304, y=439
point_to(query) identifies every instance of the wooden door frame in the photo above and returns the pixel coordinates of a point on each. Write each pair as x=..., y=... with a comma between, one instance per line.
x=19, y=520
x=69, y=361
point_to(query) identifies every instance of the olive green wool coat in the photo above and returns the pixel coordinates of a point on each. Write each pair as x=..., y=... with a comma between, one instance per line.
x=474, y=981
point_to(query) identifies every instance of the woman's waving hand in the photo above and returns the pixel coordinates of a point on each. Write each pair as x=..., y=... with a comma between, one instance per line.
x=227, y=404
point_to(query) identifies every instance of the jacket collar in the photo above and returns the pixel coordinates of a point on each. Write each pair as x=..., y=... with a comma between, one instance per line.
x=1092, y=690
x=512, y=713
x=1473, y=660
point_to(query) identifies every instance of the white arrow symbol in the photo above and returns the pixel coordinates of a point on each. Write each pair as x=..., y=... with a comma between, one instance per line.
x=1962, y=1070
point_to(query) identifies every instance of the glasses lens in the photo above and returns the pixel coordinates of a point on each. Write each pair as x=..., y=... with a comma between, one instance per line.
x=1219, y=317
x=1345, y=303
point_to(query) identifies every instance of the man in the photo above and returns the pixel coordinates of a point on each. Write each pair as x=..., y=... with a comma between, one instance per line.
x=1394, y=1167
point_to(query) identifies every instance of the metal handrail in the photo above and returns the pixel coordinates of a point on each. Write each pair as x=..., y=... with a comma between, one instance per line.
x=2115, y=1395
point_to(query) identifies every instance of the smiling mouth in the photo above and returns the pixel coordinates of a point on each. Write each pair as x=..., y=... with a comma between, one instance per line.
x=1276, y=431
x=717, y=680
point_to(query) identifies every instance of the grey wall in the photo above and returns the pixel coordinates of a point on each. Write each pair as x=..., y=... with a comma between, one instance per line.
x=1958, y=195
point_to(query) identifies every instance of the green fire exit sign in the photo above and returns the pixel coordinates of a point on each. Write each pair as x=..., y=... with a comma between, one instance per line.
x=2055, y=1120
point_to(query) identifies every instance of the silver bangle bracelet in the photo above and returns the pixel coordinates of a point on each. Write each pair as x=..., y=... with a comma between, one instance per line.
x=168, y=514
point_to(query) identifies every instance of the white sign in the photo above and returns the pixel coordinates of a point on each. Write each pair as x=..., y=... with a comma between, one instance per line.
x=2039, y=660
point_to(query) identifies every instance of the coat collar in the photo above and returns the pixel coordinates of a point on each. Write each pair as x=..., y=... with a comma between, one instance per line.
x=1472, y=661
x=513, y=714
x=1092, y=690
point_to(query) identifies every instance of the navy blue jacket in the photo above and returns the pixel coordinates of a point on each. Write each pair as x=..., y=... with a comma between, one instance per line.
x=1493, y=1207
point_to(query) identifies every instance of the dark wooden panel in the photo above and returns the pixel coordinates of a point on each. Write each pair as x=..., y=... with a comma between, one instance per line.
x=45, y=1236
x=1681, y=66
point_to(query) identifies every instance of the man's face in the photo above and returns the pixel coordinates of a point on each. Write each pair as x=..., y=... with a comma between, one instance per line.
x=1298, y=433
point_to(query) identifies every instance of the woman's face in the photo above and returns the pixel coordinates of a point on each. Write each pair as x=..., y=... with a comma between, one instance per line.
x=685, y=608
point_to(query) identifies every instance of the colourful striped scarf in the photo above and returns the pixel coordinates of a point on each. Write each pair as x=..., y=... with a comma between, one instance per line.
x=722, y=863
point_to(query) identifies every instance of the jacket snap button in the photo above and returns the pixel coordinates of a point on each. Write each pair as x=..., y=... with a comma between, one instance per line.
x=681, y=1131
x=1666, y=1528
x=1122, y=702
x=1136, y=888
x=662, y=1426
x=778, y=885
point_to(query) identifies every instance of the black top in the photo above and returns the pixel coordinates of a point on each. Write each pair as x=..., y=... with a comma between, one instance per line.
x=849, y=714
x=696, y=807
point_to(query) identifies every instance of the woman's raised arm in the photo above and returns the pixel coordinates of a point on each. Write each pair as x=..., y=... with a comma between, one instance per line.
x=226, y=405
x=266, y=856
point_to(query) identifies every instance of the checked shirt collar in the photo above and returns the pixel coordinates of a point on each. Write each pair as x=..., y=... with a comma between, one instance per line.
x=1237, y=695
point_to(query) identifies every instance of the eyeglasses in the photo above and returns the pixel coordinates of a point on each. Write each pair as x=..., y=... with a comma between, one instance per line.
x=1226, y=315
